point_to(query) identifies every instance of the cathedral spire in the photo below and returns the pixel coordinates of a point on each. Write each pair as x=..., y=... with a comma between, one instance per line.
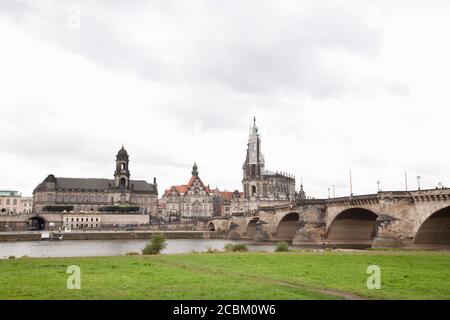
x=254, y=128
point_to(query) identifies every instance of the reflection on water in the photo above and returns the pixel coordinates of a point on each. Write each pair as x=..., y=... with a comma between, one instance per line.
x=84, y=248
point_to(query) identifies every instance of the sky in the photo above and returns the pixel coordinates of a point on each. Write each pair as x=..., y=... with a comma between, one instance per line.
x=335, y=86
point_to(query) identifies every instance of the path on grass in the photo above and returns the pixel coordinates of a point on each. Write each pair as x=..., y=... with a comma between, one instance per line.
x=252, y=277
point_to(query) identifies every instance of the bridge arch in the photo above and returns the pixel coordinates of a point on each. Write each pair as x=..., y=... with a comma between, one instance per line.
x=354, y=225
x=250, y=230
x=287, y=227
x=435, y=229
x=36, y=223
x=211, y=226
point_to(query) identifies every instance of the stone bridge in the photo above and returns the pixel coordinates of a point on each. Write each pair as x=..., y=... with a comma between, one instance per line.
x=384, y=219
x=22, y=222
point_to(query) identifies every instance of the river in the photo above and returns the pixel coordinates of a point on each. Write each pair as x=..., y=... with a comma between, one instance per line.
x=85, y=248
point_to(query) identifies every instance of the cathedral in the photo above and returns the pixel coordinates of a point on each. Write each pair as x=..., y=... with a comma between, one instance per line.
x=88, y=194
x=262, y=187
x=260, y=183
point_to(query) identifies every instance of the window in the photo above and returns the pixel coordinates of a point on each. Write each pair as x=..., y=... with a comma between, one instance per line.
x=8, y=202
x=15, y=202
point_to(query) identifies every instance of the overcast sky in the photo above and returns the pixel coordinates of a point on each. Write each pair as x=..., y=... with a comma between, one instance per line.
x=334, y=85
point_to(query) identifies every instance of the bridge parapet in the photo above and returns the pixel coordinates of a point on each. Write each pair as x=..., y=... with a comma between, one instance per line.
x=354, y=200
x=431, y=195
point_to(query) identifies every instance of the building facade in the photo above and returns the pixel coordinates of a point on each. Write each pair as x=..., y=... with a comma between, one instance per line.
x=80, y=195
x=192, y=200
x=261, y=187
x=12, y=203
x=260, y=183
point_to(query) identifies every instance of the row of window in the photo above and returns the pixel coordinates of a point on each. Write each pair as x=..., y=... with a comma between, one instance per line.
x=8, y=202
x=86, y=198
x=81, y=219
x=82, y=225
x=177, y=199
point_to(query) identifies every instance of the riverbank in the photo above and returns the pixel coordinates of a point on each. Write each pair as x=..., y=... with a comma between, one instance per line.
x=294, y=275
x=106, y=235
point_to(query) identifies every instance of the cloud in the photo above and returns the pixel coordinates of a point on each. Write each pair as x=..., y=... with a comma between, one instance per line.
x=334, y=86
x=246, y=48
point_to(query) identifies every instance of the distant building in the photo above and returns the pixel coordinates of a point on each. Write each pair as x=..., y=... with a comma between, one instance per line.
x=82, y=221
x=78, y=195
x=12, y=203
x=261, y=187
x=191, y=200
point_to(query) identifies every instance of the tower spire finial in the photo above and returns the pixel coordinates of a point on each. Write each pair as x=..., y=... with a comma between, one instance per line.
x=195, y=169
x=254, y=120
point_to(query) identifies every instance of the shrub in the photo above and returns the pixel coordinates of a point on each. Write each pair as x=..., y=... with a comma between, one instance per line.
x=241, y=247
x=155, y=245
x=57, y=208
x=282, y=246
x=132, y=253
x=228, y=247
x=121, y=209
x=11, y=257
x=211, y=250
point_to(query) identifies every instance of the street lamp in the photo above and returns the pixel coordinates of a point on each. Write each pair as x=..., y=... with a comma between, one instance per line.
x=418, y=182
x=378, y=185
x=328, y=192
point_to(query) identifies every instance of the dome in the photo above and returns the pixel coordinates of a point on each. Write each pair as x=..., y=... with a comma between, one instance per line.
x=50, y=178
x=122, y=154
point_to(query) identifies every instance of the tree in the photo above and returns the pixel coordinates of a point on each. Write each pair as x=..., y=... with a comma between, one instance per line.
x=155, y=245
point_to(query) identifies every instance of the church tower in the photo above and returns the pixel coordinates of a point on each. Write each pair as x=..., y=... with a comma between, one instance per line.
x=122, y=173
x=253, y=167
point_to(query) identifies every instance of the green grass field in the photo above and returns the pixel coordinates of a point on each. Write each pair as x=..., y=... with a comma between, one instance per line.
x=294, y=275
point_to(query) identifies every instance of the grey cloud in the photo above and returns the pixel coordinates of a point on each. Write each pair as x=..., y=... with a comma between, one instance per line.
x=248, y=48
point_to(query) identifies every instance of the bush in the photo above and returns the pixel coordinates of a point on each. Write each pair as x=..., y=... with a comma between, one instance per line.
x=228, y=247
x=57, y=208
x=155, y=245
x=11, y=257
x=238, y=247
x=282, y=246
x=121, y=209
x=132, y=253
x=211, y=250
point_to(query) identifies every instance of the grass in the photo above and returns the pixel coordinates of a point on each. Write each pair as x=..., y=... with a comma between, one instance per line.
x=293, y=275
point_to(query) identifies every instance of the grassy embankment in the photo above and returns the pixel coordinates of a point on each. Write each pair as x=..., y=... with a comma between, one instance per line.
x=294, y=275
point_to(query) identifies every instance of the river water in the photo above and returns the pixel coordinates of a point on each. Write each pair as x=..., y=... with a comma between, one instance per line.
x=84, y=248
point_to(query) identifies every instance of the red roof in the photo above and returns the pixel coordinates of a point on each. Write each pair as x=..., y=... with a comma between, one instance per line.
x=184, y=188
x=226, y=195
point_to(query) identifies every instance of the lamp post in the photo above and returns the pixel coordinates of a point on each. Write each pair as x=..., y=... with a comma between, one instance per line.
x=378, y=185
x=328, y=192
x=418, y=182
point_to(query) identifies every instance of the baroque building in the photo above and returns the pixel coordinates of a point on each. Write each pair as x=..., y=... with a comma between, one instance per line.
x=261, y=186
x=12, y=203
x=261, y=183
x=191, y=200
x=89, y=194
